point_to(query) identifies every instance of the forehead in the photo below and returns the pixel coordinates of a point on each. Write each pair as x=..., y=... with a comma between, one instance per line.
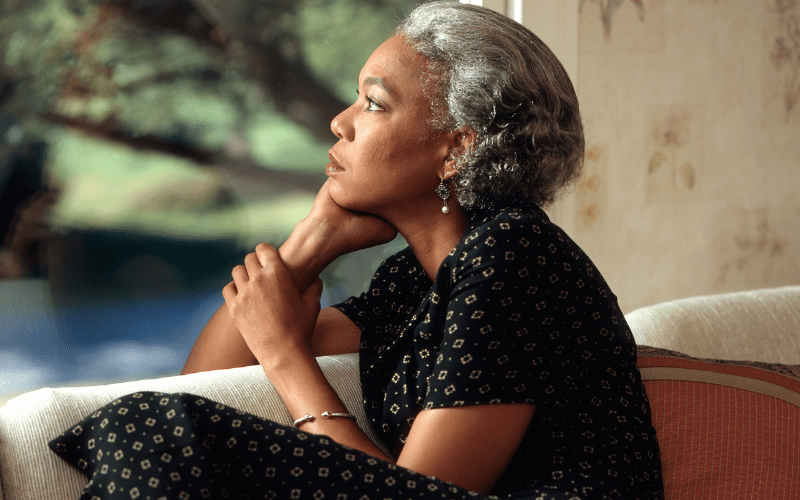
x=398, y=66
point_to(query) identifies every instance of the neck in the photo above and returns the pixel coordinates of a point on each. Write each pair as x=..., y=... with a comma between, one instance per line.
x=431, y=237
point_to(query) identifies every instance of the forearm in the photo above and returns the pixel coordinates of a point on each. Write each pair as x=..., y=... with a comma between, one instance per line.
x=220, y=344
x=304, y=389
x=307, y=251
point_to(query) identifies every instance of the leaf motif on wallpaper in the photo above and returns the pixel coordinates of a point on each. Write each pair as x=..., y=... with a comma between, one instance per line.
x=591, y=188
x=676, y=140
x=588, y=213
x=608, y=8
x=784, y=55
x=611, y=26
x=674, y=130
x=747, y=246
x=655, y=161
x=591, y=184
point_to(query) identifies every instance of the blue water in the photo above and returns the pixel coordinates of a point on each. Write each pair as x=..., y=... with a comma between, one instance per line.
x=94, y=341
x=42, y=344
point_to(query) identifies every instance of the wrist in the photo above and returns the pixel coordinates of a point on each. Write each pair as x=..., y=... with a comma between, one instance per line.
x=285, y=366
x=307, y=251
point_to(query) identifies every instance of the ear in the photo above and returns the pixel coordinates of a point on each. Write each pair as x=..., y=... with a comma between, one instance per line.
x=461, y=142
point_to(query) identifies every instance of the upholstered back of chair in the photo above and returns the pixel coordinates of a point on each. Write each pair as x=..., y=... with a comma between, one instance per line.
x=30, y=471
x=758, y=325
x=727, y=419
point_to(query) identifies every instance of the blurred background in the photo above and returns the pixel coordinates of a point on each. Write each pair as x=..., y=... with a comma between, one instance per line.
x=145, y=147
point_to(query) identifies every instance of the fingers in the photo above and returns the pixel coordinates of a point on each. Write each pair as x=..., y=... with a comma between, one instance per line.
x=264, y=265
x=252, y=265
x=265, y=257
x=240, y=275
x=267, y=254
x=240, y=279
x=264, y=303
x=314, y=292
x=273, y=265
x=229, y=292
x=325, y=208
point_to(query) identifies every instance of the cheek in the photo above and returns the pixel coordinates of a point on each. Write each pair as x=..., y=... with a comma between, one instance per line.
x=405, y=147
x=394, y=146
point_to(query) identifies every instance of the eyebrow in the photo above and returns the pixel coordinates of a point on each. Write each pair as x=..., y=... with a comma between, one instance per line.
x=374, y=80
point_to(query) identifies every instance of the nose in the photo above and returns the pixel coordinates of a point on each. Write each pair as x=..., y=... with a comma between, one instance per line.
x=342, y=125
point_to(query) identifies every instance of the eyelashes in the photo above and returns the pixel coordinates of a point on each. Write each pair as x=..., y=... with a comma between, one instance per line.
x=372, y=104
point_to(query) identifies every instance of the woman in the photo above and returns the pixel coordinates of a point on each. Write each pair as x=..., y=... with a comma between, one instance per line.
x=494, y=358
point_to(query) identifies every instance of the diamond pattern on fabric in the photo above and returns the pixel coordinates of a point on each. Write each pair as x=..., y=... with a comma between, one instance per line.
x=517, y=313
x=539, y=328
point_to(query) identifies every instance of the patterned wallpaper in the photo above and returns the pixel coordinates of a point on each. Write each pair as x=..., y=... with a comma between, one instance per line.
x=692, y=174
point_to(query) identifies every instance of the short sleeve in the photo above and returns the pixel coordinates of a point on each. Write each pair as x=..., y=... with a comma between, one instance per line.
x=397, y=287
x=526, y=318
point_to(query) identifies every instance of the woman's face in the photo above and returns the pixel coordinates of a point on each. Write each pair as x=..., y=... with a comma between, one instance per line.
x=387, y=161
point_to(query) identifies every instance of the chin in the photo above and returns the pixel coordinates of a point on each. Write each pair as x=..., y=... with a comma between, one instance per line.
x=347, y=200
x=356, y=201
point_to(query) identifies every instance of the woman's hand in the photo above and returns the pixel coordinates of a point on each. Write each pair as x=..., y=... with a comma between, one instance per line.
x=274, y=318
x=263, y=302
x=349, y=231
x=277, y=323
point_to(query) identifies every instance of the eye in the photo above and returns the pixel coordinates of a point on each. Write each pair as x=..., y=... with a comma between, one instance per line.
x=373, y=106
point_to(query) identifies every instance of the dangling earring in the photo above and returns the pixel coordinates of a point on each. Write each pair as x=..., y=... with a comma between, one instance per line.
x=443, y=193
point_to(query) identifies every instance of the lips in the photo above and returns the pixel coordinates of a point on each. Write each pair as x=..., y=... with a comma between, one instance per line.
x=334, y=165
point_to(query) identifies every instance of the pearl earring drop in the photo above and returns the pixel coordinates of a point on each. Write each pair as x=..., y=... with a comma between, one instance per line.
x=443, y=193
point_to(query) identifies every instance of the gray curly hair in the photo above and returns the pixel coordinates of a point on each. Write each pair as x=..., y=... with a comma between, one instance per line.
x=490, y=73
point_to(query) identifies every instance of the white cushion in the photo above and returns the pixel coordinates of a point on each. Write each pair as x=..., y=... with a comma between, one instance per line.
x=31, y=471
x=756, y=325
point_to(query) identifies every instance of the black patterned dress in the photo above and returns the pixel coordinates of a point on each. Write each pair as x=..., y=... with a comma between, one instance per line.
x=517, y=313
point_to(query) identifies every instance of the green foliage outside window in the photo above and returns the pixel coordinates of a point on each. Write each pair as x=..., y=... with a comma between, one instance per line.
x=189, y=119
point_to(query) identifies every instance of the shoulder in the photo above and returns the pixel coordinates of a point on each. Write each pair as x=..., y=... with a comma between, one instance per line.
x=506, y=233
x=403, y=262
x=512, y=226
x=399, y=278
x=523, y=244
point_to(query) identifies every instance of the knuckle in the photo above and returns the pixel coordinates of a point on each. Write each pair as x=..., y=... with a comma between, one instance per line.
x=233, y=308
x=271, y=270
x=260, y=278
x=264, y=248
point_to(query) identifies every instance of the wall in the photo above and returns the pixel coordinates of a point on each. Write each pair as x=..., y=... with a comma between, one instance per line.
x=692, y=115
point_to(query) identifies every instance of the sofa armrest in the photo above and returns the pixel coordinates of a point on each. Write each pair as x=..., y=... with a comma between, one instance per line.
x=29, y=470
x=755, y=325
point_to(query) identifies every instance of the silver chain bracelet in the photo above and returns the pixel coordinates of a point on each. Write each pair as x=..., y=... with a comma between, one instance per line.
x=325, y=414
